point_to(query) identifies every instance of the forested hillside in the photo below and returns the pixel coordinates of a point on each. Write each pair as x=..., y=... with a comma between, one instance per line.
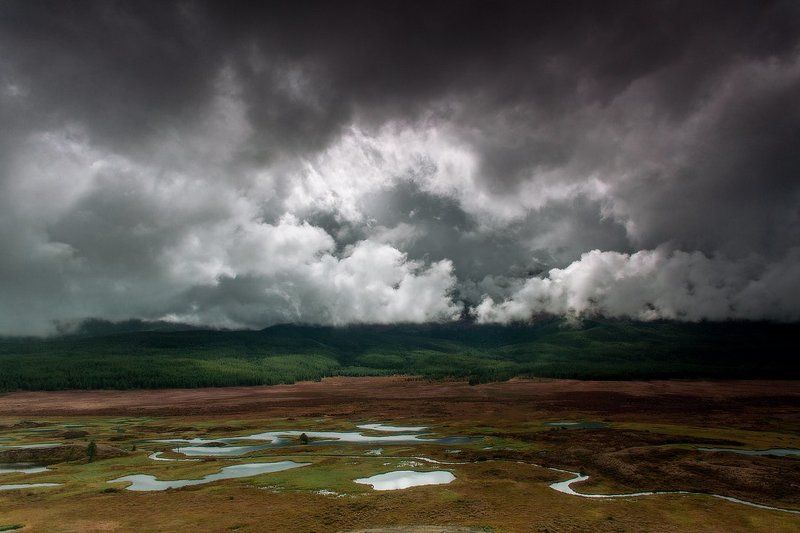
x=158, y=355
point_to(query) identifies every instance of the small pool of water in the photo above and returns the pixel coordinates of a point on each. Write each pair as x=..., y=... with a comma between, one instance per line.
x=403, y=479
x=279, y=439
x=388, y=428
x=29, y=446
x=156, y=456
x=22, y=468
x=774, y=452
x=335, y=437
x=144, y=482
x=217, y=451
x=28, y=486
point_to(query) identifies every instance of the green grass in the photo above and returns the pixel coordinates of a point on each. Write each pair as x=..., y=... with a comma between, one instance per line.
x=111, y=358
x=496, y=493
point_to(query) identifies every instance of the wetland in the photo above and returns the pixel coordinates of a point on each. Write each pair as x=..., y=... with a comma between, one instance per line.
x=349, y=453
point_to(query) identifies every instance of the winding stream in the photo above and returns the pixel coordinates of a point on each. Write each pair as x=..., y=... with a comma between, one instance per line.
x=773, y=452
x=564, y=486
x=568, y=424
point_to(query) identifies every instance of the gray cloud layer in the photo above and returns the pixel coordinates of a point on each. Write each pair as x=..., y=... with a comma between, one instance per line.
x=398, y=161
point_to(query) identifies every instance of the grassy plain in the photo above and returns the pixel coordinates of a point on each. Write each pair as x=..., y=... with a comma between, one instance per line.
x=652, y=430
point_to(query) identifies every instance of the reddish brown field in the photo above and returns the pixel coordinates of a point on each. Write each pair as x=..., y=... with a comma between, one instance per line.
x=665, y=400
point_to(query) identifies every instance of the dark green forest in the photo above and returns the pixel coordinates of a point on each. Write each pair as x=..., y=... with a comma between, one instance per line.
x=157, y=355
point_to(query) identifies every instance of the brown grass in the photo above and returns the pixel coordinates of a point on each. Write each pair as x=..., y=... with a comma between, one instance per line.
x=646, y=448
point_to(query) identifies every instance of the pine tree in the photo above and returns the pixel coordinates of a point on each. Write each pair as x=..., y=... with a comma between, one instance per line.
x=91, y=451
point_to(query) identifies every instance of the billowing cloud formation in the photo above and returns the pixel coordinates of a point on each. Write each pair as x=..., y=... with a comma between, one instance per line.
x=122, y=239
x=373, y=283
x=397, y=161
x=656, y=284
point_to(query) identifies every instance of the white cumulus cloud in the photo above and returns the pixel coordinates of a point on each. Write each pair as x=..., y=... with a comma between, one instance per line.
x=656, y=284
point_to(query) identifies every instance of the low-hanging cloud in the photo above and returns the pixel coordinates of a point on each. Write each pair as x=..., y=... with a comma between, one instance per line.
x=373, y=284
x=656, y=284
x=397, y=161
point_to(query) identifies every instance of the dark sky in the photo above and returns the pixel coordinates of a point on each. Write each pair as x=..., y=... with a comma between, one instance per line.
x=341, y=162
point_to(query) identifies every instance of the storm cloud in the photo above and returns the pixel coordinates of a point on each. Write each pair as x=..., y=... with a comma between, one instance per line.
x=355, y=162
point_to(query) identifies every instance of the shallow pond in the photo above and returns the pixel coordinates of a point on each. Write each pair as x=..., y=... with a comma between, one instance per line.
x=399, y=429
x=336, y=437
x=403, y=479
x=217, y=451
x=278, y=439
x=144, y=482
x=22, y=468
x=28, y=486
x=30, y=446
x=156, y=456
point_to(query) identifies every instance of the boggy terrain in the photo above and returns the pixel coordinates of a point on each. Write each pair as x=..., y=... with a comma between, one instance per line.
x=626, y=436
